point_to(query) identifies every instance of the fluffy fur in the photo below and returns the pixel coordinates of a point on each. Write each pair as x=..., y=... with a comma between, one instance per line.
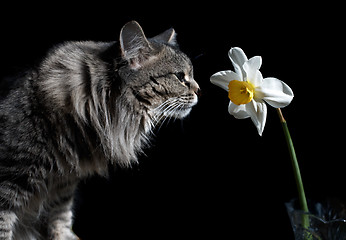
x=88, y=105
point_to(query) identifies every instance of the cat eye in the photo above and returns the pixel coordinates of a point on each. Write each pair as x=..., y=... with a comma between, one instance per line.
x=180, y=76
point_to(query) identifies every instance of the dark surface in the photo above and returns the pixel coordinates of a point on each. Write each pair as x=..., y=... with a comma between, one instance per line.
x=209, y=175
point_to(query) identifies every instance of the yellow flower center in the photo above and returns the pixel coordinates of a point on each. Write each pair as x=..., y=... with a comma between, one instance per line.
x=240, y=92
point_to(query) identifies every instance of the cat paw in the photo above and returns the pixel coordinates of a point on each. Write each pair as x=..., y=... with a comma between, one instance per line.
x=65, y=234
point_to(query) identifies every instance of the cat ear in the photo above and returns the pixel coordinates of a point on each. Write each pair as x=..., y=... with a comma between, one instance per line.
x=134, y=45
x=168, y=36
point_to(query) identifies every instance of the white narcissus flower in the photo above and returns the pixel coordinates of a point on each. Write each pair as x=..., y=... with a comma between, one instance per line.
x=248, y=91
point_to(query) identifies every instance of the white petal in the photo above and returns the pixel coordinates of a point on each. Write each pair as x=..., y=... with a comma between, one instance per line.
x=258, y=114
x=238, y=59
x=275, y=92
x=251, y=67
x=255, y=62
x=238, y=111
x=223, y=78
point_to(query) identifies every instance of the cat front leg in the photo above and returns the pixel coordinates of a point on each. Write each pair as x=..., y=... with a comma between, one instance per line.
x=60, y=212
x=8, y=220
x=60, y=222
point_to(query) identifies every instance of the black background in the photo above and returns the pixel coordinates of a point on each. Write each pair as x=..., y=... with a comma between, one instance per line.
x=209, y=175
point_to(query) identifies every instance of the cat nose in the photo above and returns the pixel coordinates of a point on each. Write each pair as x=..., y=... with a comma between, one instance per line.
x=198, y=92
x=195, y=88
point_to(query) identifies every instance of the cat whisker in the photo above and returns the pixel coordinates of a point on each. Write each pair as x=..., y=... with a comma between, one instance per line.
x=165, y=103
x=164, y=107
x=171, y=108
x=166, y=111
x=165, y=115
x=172, y=112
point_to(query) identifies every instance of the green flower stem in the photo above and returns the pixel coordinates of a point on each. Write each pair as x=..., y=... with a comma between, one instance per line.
x=296, y=171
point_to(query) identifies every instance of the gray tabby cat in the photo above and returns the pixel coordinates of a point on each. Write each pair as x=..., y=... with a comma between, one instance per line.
x=86, y=106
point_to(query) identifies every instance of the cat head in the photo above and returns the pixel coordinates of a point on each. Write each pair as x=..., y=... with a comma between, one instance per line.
x=157, y=75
